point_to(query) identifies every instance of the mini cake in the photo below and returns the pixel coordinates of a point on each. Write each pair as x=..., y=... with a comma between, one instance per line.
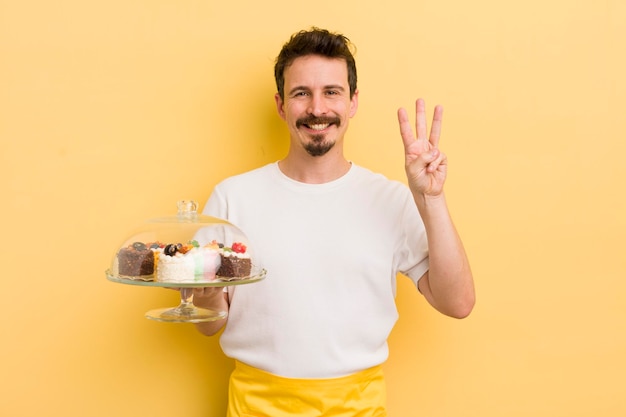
x=207, y=261
x=176, y=268
x=235, y=261
x=187, y=263
x=136, y=260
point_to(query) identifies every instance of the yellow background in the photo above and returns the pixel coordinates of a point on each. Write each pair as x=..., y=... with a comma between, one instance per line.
x=111, y=111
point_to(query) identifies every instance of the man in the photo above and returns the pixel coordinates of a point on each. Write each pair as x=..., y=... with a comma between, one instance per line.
x=309, y=340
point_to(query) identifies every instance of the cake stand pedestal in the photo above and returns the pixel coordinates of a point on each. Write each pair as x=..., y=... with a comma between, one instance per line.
x=186, y=311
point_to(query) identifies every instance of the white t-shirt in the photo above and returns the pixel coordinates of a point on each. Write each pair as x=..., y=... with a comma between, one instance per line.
x=332, y=252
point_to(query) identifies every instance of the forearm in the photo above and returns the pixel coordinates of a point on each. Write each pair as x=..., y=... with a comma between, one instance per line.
x=213, y=299
x=449, y=285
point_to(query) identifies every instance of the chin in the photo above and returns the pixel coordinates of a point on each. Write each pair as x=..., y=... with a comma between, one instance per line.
x=318, y=148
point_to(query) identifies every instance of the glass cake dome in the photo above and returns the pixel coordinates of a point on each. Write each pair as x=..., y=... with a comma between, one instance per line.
x=185, y=251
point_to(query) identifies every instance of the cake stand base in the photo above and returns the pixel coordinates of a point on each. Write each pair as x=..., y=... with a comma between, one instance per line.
x=186, y=312
x=185, y=315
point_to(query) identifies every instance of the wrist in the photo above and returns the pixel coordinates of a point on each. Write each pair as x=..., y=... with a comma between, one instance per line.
x=429, y=201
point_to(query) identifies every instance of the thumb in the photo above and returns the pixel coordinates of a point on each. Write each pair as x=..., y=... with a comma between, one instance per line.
x=434, y=154
x=428, y=161
x=428, y=157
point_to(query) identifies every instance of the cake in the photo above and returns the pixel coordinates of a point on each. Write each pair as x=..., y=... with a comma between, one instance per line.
x=235, y=262
x=136, y=260
x=175, y=268
x=187, y=263
x=207, y=262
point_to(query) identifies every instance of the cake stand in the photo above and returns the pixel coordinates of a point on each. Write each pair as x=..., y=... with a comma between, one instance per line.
x=186, y=311
x=185, y=240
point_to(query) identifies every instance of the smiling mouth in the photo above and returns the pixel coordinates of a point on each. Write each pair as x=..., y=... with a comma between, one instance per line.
x=318, y=126
x=317, y=123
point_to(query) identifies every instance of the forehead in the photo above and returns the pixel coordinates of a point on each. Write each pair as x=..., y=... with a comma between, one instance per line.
x=315, y=70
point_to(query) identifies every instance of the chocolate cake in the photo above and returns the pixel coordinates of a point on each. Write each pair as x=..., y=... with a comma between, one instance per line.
x=234, y=266
x=235, y=261
x=136, y=260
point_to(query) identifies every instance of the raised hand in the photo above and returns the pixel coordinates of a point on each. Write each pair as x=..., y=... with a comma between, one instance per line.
x=425, y=164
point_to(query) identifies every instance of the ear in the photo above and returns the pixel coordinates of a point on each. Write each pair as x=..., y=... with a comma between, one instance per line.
x=354, y=103
x=280, y=106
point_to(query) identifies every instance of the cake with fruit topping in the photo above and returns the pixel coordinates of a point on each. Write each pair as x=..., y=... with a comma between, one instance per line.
x=235, y=261
x=187, y=263
x=136, y=260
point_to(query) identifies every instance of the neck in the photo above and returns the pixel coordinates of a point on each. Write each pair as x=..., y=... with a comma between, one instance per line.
x=314, y=169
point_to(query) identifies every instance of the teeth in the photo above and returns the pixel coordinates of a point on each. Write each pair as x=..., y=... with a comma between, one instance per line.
x=319, y=127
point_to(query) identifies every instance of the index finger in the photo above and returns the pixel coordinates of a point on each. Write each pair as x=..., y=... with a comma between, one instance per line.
x=406, y=131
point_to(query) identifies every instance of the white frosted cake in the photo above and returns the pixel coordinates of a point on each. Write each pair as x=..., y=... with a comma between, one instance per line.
x=176, y=268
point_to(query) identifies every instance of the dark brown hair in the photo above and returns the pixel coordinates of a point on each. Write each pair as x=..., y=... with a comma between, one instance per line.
x=315, y=42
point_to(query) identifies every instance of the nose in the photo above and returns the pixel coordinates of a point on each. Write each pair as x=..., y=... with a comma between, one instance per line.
x=317, y=105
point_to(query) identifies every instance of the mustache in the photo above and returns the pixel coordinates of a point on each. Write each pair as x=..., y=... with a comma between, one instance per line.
x=315, y=120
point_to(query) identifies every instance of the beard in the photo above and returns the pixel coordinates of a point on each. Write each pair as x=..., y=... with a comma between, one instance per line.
x=318, y=145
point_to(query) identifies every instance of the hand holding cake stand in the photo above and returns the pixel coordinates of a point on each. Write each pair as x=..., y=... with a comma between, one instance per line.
x=185, y=252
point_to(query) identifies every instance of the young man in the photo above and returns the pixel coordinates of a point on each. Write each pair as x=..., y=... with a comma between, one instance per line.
x=309, y=340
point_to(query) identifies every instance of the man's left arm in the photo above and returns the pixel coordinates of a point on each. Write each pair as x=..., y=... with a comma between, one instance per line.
x=448, y=285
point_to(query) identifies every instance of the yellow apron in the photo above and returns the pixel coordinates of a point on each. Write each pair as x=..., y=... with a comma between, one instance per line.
x=256, y=393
